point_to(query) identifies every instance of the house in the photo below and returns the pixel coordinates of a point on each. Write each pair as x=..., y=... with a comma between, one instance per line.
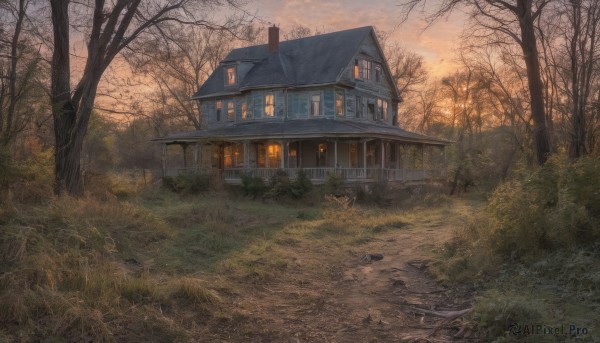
x=322, y=104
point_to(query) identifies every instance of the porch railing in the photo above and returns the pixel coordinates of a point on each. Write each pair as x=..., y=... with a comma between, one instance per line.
x=350, y=174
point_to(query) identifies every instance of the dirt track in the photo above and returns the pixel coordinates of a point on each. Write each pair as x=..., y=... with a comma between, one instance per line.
x=356, y=301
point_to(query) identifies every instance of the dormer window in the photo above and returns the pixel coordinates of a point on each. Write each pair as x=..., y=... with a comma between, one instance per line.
x=230, y=78
x=362, y=69
x=378, y=73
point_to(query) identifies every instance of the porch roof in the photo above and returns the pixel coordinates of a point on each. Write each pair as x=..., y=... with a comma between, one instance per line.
x=302, y=129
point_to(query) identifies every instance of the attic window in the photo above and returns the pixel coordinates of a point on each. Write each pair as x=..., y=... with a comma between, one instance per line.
x=378, y=73
x=230, y=76
x=270, y=105
x=362, y=69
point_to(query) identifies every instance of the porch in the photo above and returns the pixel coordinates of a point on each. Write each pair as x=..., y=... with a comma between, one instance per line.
x=355, y=160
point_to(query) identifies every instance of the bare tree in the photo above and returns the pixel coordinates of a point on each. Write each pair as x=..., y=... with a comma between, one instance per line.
x=499, y=20
x=112, y=27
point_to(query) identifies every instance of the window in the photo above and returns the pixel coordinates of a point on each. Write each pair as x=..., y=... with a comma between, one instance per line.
x=238, y=155
x=273, y=156
x=230, y=76
x=385, y=110
x=362, y=69
x=315, y=105
x=353, y=155
x=339, y=103
x=219, y=106
x=359, y=107
x=244, y=110
x=366, y=69
x=270, y=105
x=371, y=109
x=230, y=111
x=322, y=155
x=379, y=109
x=378, y=73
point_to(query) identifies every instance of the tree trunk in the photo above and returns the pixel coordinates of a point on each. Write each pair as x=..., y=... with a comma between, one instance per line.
x=63, y=110
x=532, y=63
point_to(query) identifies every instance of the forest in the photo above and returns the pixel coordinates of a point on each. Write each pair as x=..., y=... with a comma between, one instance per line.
x=96, y=246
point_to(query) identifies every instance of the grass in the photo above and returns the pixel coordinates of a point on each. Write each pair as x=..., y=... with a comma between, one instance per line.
x=153, y=266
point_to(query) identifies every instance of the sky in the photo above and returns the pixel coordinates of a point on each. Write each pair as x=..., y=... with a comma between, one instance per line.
x=436, y=44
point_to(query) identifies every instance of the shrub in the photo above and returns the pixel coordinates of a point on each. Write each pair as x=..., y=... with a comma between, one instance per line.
x=334, y=184
x=253, y=185
x=279, y=185
x=300, y=186
x=188, y=183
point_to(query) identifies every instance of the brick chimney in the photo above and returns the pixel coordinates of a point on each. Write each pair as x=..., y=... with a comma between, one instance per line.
x=273, y=38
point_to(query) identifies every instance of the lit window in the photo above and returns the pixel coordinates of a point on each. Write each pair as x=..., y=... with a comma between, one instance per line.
x=315, y=105
x=230, y=76
x=359, y=107
x=385, y=110
x=270, y=105
x=273, y=156
x=322, y=155
x=339, y=103
x=219, y=107
x=230, y=111
x=362, y=69
x=366, y=70
x=227, y=156
x=244, y=110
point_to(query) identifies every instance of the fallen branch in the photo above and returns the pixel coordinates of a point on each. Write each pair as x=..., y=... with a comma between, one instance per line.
x=450, y=315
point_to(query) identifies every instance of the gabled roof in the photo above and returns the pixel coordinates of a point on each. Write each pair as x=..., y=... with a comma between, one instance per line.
x=300, y=62
x=303, y=129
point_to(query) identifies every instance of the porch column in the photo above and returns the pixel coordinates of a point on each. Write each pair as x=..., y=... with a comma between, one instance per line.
x=164, y=159
x=196, y=155
x=365, y=158
x=246, y=155
x=184, y=148
x=397, y=155
x=335, y=157
x=286, y=155
x=281, y=164
x=382, y=155
x=299, y=153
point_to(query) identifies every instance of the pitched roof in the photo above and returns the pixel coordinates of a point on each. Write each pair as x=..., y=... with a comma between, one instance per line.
x=316, y=128
x=300, y=62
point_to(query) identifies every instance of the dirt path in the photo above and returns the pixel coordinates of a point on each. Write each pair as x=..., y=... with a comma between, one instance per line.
x=356, y=301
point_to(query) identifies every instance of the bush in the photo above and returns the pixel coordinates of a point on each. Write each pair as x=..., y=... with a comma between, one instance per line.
x=253, y=185
x=334, y=184
x=279, y=185
x=188, y=183
x=300, y=186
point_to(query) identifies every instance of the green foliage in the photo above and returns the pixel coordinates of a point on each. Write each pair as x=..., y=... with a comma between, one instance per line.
x=554, y=207
x=253, y=185
x=187, y=183
x=279, y=185
x=301, y=185
x=334, y=184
